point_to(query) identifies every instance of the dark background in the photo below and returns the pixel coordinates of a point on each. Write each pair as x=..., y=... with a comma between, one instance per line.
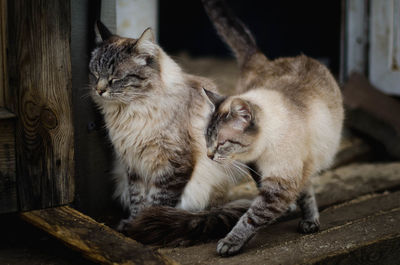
x=281, y=28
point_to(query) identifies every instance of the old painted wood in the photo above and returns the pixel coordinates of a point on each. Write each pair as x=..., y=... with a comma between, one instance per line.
x=356, y=37
x=384, y=52
x=8, y=185
x=40, y=77
x=94, y=240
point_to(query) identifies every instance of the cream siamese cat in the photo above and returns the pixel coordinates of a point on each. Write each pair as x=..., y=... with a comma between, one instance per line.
x=286, y=121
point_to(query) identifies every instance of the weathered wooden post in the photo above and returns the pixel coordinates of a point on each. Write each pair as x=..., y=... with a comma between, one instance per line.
x=40, y=83
x=8, y=185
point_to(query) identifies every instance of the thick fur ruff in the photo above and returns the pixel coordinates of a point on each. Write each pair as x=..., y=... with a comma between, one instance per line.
x=168, y=226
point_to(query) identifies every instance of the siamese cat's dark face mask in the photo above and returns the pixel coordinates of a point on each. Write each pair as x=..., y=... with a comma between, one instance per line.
x=227, y=132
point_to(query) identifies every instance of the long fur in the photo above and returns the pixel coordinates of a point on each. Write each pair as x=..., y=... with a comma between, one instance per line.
x=231, y=29
x=168, y=226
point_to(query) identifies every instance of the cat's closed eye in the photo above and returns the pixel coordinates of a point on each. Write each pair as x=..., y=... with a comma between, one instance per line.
x=114, y=80
x=135, y=76
x=222, y=143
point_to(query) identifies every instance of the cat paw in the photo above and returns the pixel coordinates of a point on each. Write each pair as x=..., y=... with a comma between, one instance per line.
x=123, y=224
x=308, y=226
x=227, y=247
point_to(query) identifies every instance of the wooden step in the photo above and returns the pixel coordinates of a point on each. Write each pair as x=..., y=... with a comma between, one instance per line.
x=362, y=231
x=95, y=241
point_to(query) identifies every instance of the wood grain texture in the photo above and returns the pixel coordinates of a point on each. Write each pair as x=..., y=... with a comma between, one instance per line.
x=8, y=185
x=95, y=241
x=40, y=77
x=373, y=113
x=5, y=114
x=368, y=223
x=3, y=53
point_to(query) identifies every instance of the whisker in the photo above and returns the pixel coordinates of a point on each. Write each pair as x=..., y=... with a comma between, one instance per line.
x=249, y=168
x=225, y=170
x=85, y=96
x=240, y=169
x=231, y=173
x=229, y=166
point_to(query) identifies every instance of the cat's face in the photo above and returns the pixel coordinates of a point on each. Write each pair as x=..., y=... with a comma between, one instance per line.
x=231, y=131
x=124, y=69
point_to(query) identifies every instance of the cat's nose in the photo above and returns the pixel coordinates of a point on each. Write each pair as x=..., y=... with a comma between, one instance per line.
x=101, y=86
x=210, y=155
x=101, y=91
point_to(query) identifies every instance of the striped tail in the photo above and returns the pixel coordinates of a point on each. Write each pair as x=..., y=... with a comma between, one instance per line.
x=231, y=29
x=167, y=226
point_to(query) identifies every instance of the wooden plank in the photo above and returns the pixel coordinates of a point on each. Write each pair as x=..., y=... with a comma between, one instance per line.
x=351, y=149
x=40, y=75
x=95, y=241
x=3, y=53
x=369, y=222
x=373, y=113
x=352, y=181
x=8, y=186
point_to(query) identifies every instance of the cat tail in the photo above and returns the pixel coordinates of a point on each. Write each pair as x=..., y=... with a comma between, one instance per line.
x=168, y=226
x=231, y=29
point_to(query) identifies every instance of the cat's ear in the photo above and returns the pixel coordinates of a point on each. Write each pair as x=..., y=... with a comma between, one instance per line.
x=102, y=32
x=212, y=98
x=142, y=44
x=147, y=35
x=241, y=112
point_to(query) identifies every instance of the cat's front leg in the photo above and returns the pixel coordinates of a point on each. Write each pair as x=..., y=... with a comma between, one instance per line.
x=275, y=196
x=310, y=221
x=136, y=201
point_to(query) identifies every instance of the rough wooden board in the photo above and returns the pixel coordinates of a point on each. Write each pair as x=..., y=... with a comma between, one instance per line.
x=341, y=184
x=368, y=221
x=95, y=241
x=373, y=113
x=3, y=54
x=387, y=252
x=8, y=185
x=352, y=149
x=40, y=77
x=348, y=182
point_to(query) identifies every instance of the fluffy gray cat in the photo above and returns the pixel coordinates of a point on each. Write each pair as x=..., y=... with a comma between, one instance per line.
x=156, y=116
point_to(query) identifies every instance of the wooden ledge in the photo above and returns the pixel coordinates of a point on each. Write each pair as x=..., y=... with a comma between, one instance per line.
x=95, y=241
